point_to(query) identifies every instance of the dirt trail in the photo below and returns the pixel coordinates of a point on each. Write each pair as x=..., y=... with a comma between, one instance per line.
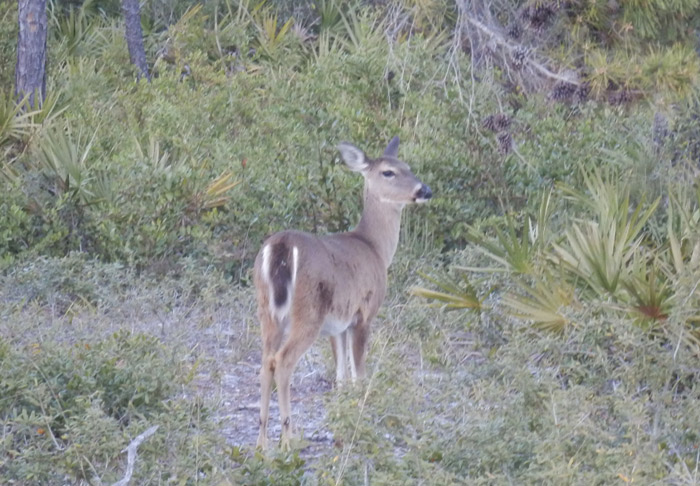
x=240, y=406
x=229, y=375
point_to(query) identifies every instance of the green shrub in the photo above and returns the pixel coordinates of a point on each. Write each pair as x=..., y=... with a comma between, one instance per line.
x=9, y=28
x=65, y=406
x=273, y=124
x=16, y=225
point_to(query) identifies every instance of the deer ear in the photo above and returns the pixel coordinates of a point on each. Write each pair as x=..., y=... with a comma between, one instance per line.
x=392, y=150
x=353, y=157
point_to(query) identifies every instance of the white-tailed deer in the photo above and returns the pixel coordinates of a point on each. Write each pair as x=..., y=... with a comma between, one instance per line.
x=330, y=285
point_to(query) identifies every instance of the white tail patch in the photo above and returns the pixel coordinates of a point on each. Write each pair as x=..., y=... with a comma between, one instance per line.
x=295, y=264
x=279, y=313
x=266, y=263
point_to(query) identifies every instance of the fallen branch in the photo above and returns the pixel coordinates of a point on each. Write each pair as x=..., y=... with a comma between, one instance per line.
x=510, y=47
x=131, y=455
x=502, y=41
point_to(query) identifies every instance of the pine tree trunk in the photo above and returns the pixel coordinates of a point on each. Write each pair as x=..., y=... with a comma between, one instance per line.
x=30, y=72
x=134, y=36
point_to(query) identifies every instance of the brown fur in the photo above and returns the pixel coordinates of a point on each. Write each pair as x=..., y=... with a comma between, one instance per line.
x=340, y=281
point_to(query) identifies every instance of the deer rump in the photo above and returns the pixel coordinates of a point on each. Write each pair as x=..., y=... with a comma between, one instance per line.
x=341, y=299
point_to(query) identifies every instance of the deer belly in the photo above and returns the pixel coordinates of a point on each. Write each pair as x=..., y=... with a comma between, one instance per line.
x=333, y=326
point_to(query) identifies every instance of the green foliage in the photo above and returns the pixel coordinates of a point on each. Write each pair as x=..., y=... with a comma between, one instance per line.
x=641, y=45
x=330, y=16
x=218, y=93
x=78, y=31
x=520, y=254
x=452, y=295
x=428, y=15
x=672, y=70
x=258, y=469
x=65, y=408
x=272, y=38
x=91, y=7
x=560, y=418
x=9, y=29
x=380, y=434
x=599, y=252
x=16, y=119
x=607, y=257
x=545, y=302
x=537, y=409
x=16, y=224
x=64, y=161
x=450, y=399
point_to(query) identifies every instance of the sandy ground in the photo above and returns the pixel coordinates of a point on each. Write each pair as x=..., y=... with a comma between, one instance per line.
x=229, y=352
x=240, y=405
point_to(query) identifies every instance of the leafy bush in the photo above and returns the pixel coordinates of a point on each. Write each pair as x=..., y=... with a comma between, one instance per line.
x=259, y=470
x=607, y=256
x=220, y=104
x=16, y=224
x=9, y=29
x=67, y=406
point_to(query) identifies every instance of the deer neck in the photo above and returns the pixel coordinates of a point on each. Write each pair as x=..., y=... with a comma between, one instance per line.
x=380, y=225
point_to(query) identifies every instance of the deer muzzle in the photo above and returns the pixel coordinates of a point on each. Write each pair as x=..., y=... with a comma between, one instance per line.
x=423, y=194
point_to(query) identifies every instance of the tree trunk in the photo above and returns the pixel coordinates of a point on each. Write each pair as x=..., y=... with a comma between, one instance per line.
x=30, y=72
x=134, y=36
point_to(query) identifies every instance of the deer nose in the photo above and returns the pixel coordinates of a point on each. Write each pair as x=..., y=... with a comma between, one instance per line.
x=424, y=192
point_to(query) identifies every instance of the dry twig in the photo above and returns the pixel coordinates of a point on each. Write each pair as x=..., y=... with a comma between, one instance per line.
x=132, y=455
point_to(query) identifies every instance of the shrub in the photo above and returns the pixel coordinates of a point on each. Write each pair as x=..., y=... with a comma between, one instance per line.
x=65, y=406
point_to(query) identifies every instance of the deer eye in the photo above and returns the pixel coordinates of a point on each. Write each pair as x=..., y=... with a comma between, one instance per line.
x=388, y=174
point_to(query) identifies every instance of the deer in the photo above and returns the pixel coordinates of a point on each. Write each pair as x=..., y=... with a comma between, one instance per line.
x=332, y=285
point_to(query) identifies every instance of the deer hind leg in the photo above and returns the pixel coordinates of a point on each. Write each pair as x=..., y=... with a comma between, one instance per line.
x=339, y=346
x=272, y=338
x=297, y=343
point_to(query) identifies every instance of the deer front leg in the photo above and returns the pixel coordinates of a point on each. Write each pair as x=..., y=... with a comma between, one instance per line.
x=339, y=347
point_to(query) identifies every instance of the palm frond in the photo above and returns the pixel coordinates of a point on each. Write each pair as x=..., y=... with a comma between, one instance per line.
x=518, y=251
x=64, y=159
x=214, y=194
x=16, y=119
x=543, y=304
x=452, y=294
